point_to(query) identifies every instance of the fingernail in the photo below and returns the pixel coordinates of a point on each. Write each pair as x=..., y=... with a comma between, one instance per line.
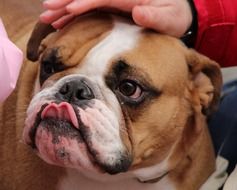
x=44, y=17
x=47, y=4
x=140, y=11
x=70, y=8
x=74, y=6
x=139, y=15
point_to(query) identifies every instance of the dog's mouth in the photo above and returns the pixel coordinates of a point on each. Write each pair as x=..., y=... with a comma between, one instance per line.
x=58, y=137
x=66, y=135
x=59, y=119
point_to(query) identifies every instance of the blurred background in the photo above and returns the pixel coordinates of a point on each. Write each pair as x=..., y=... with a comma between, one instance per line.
x=229, y=73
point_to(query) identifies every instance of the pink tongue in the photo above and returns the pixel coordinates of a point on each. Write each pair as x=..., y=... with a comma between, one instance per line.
x=62, y=111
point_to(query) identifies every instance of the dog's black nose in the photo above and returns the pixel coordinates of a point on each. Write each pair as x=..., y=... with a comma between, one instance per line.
x=75, y=91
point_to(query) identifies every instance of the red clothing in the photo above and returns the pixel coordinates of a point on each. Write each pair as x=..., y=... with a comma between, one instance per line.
x=217, y=30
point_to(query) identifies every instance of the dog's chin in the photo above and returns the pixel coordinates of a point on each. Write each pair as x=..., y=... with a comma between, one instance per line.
x=60, y=138
x=58, y=142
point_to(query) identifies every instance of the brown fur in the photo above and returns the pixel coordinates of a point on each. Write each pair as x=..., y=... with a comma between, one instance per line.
x=171, y=118
x=17, y=170
x=181, y=119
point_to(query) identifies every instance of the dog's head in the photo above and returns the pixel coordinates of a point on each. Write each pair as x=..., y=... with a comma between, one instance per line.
x=111, y=97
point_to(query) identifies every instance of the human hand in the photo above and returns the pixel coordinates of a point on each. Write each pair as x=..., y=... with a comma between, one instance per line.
x=171, y=17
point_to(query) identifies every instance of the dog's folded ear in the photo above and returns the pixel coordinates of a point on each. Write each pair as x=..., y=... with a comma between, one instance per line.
x=39, y=32
x=206, y=80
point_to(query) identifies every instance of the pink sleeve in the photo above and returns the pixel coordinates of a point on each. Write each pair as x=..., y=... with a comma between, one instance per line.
x=217, y=31
x=10, y=63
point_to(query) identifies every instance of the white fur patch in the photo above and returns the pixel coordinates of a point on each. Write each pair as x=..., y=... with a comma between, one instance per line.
x=152, y=172
x=123, y=37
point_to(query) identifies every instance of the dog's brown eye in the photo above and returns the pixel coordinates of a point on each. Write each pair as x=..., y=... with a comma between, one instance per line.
x=50, y=64
x=130, y=89
x=48, y=69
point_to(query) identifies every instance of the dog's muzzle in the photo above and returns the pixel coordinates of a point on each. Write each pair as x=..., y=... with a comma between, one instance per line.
x=76, y=128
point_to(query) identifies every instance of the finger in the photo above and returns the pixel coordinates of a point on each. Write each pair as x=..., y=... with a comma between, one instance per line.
x=50, y=16
x=60, y=23
x=79, y=7
x=163, y=19
x=82, y=6
x=55, y=4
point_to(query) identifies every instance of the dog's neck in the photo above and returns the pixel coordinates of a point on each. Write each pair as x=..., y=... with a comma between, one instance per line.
x=156, y=177
x=175, y=166
x=155, y=173
x=121, y=181
x=155, y=180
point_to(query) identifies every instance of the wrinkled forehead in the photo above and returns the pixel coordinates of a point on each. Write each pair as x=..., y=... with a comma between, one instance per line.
x=95, y=43
x=97, y=33
x=91, y=43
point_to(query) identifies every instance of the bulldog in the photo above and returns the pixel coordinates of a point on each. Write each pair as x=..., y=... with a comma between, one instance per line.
x=108, y=105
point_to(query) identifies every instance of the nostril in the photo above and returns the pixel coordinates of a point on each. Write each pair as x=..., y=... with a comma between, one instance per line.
x=64, y=89
x=79, y=94
x=84, y=93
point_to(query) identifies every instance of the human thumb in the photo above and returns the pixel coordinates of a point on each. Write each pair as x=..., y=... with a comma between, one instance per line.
x=161, y=19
